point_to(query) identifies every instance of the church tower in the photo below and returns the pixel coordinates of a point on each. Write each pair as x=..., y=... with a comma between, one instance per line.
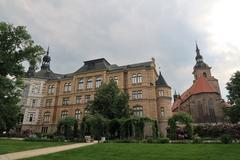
x=164, y=97
x=202, y=69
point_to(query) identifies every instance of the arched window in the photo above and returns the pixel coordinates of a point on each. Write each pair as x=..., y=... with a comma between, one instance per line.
x=86, y=112
x=204, y=74
x=139, y=78
x=138, y=111
x=212, y=115
x=64, y=114
x=46, y=117
x=200, y=112
x=98, y=82
x=162, y=111
x=67, y=87
x=77, y=114
x=134, y=78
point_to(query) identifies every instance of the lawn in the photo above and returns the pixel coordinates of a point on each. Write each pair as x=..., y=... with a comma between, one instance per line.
x=8, y=146
x=149, y=152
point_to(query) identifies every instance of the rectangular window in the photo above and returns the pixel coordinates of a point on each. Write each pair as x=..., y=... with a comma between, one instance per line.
x=162, y=111
x=161, y=93
x=48, y=102
x=137, y=94
x=34, y=102
x=87, y=98
x=80, y=84
x=98, y=82
x=89, y=84
x=116, y=79
x=78, y=99
x=67, y=87
x=44, y=129
x=65, y=101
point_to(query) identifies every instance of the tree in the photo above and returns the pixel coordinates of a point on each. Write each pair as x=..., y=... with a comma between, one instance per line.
x=233, y=87
x=181, y=117
x=16, y=46
x=110, y=102
x=67, y=127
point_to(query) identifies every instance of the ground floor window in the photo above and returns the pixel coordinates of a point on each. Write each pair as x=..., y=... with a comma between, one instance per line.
x=138, y=111
x=44, y=129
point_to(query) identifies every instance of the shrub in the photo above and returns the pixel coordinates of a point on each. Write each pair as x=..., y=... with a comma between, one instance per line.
x=197, y=140
x=163, y=140
x=226, y=139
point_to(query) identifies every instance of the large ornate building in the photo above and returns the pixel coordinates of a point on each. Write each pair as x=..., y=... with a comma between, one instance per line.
x=203, y=99
x=49, y=97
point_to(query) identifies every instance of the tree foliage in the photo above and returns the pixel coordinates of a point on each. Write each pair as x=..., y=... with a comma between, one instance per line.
x=180, y=117
x=233, y=87
x=110, y=102
x=68, y=127
x=16, y=46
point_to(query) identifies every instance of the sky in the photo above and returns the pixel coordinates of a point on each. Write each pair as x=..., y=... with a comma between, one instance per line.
x=133, y=31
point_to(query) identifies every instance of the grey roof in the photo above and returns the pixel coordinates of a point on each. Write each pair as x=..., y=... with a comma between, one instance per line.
x=47, y=74
x=92, y=65
x=126, y=67
x=161, y=81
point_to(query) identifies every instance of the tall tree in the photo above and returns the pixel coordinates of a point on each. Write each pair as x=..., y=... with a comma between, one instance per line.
x=110, y=102
x=16, y=46
x=233, y=87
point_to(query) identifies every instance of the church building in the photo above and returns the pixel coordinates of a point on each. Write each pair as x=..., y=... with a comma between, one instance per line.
x=202, y=100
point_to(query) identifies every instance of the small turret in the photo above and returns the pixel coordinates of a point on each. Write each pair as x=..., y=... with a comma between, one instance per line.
x=46, y=61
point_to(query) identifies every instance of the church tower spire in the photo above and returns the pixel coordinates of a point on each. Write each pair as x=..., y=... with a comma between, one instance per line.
x=46, y=61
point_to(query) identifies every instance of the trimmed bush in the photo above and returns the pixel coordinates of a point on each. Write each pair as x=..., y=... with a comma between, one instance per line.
x=226, y=139
x=197, y=140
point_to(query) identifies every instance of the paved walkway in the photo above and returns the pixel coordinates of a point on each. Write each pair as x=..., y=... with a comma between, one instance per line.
x=42, y=151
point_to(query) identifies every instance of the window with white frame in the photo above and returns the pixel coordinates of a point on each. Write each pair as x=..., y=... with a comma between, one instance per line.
x=48, y=102
x=137, y=78
x=46, y=117
x=89, y=83
x=87, y=98
x=36, y=88
x=80, y=84
x=66, y=101
x=137, y=94
x=161, y=93
x=78, y=99
x=67, y=87
x=34, y=102
x=86, y=112
x=162, y=111
x=44, y=129
x=51, y=89
x=138, y=111
x=64, y=114
x=98, y=82
x=77, y=114
x=116, y=79
x=31, y=116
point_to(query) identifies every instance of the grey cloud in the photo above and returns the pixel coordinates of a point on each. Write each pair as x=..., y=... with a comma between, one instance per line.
x=121, y=31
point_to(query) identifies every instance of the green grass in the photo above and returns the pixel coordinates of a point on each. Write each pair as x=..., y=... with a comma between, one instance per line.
x=8, y=146
x=149, y=152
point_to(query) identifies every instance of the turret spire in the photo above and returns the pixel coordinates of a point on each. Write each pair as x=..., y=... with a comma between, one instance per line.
x=199, y=57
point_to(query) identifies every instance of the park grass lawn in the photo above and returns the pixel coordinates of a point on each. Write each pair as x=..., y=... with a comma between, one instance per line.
x=118, y=151
x=8, y=146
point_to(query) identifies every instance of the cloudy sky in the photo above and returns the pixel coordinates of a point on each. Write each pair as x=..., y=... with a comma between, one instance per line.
x=132, y=31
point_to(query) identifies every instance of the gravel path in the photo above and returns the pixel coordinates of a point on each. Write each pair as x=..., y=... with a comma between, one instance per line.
x=42, y=151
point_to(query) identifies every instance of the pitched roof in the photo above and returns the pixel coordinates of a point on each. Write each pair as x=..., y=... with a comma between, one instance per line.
x=161, y=81
x=201, y=85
